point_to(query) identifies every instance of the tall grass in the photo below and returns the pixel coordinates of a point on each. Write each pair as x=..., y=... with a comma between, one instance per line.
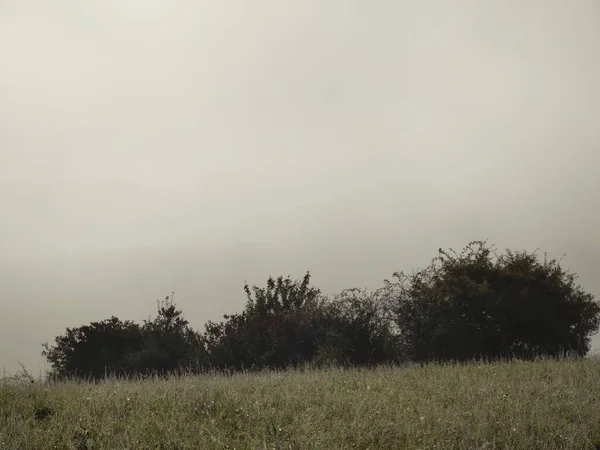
x=546, y=404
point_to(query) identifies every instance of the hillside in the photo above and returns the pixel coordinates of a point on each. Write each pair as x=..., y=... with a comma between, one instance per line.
x=534, y=405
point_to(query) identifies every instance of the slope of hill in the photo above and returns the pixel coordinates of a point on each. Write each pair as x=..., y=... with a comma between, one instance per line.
x=517, y=405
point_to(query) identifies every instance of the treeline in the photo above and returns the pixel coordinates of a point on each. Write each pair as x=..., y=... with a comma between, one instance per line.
x=472, y=304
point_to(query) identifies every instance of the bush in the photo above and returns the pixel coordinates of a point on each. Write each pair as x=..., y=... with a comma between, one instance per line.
x=475, y=304
x=358, y=333
x=91, y=351
x=282, y=325
x=479, y=305
x=126, y=348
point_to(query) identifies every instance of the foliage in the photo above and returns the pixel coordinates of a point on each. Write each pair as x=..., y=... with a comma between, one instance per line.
x=168, y=343
x=282, y=325
x=475, y=304
x=94, y=350
x=478, y=304
x=358, y=332
x=114, y=346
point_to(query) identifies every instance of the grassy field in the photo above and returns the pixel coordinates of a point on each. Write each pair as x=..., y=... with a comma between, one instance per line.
x=516, y=405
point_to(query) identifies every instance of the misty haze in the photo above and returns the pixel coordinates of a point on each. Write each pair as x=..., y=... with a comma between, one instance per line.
x=149, y=146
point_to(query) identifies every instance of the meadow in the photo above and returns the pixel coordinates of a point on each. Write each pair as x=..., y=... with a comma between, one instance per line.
x=544, y=404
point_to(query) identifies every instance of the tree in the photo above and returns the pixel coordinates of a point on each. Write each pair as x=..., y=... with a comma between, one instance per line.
x=282, y=325
x=479, y=304
x=93, y=350
x=476, y=304
x=359, y=333
x=112, y=346
x=169, y=343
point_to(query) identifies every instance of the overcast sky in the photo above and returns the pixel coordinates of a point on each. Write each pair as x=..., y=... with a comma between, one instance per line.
x=148, y=146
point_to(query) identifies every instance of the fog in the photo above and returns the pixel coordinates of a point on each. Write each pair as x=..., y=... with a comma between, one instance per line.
x=151, y=146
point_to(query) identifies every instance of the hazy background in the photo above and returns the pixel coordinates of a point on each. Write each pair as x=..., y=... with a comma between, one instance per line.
x=151, y=145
